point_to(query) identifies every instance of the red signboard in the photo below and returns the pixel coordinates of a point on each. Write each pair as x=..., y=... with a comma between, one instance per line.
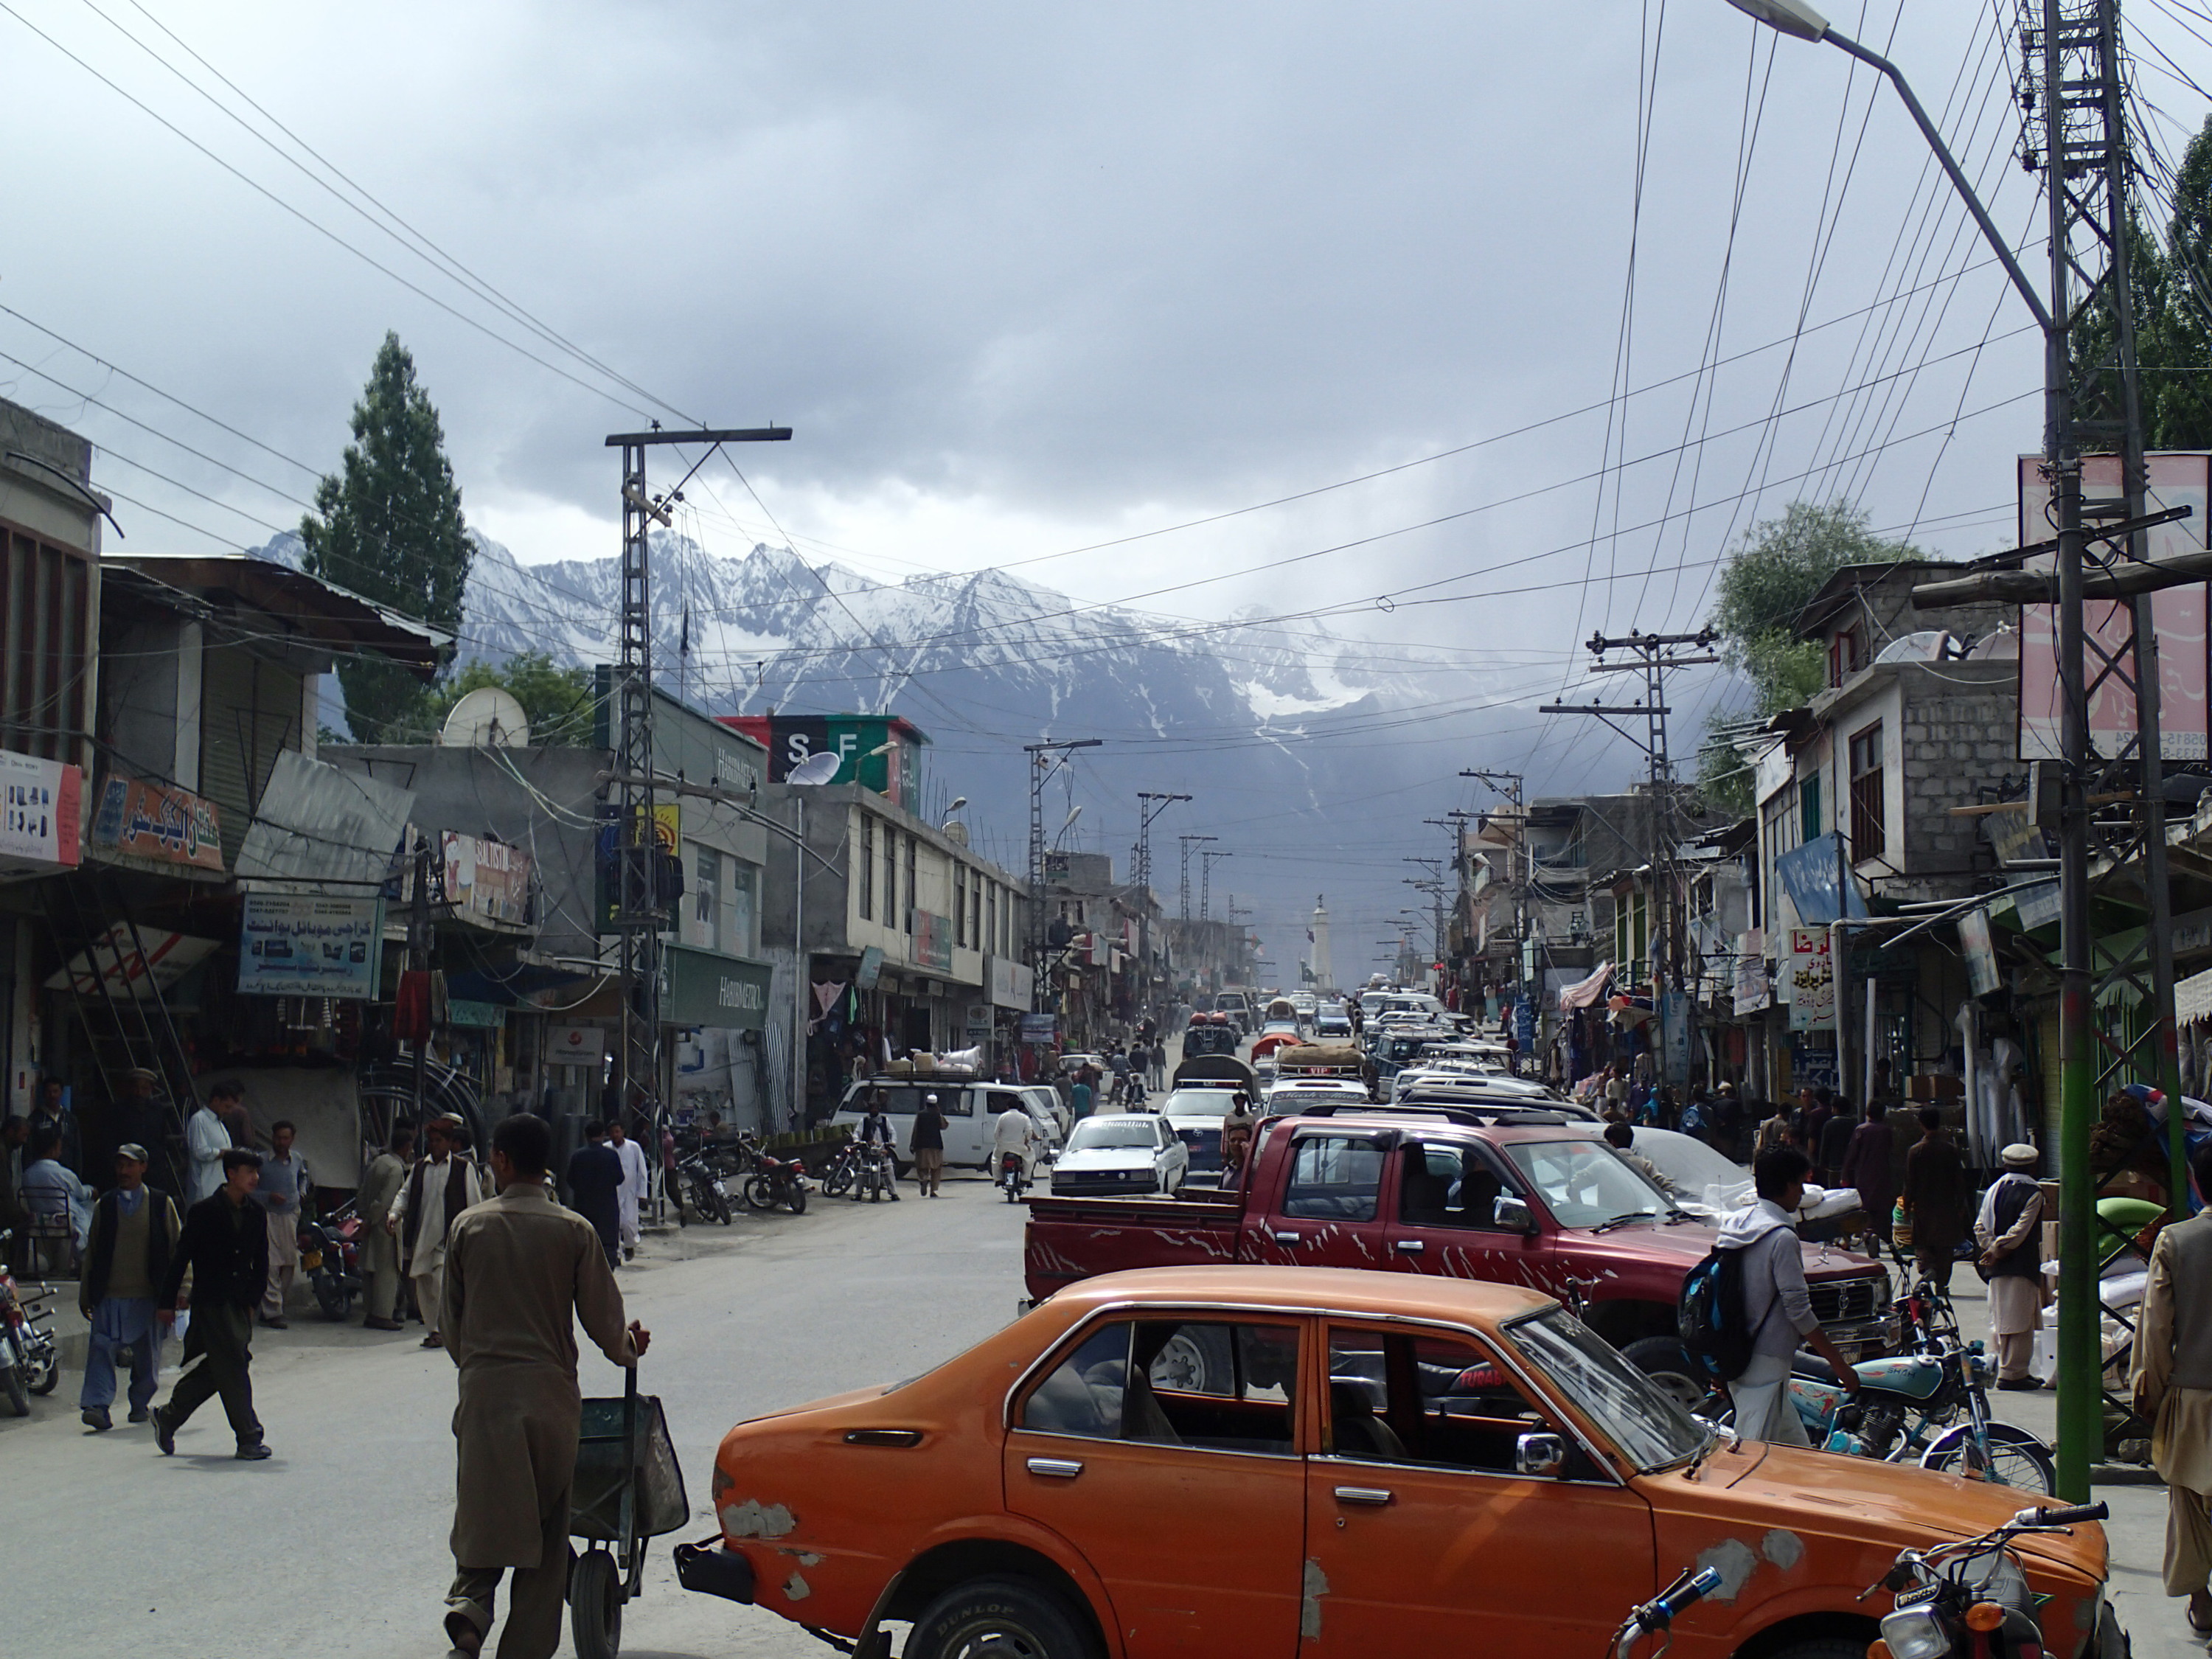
x=2176, y=479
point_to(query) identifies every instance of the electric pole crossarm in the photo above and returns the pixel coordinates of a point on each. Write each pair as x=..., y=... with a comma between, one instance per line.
x=754, y=434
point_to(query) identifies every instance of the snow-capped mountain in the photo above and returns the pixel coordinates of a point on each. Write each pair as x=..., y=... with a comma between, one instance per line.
x=1257, y=718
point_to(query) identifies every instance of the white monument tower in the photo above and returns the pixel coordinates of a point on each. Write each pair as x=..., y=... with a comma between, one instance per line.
x=1317, y=956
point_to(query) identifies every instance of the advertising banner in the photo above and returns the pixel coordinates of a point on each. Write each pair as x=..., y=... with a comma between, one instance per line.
x=575, y=1045
x=708, y=989
x=1752, y=990
x=38, y=804
x=2175, y=480
x=309, y=945
x=1812, y=981
x=486, y=880
x=932, y=942
x=1040, y=1031
x=157, y=822
x=1010, y=983
x=870, y=971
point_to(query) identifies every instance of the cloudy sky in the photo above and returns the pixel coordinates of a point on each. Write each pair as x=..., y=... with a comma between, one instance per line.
x=1028, y=279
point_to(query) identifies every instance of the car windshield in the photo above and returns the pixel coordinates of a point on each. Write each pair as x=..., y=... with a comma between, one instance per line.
x=1648, y=1427
x=1094, y=1133
x=1584, y=1184
x=1197, y=1103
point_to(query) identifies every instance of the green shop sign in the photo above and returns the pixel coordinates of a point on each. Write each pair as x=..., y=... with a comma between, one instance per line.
x=703, y=988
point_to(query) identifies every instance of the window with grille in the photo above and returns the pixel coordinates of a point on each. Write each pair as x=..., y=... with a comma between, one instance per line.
x=1808, y=801
x=1869, y=835
x=913, y=892
x=960, y=904
x=1846, y=655
x=890, y=877
x=45, y=623
x=706, y=894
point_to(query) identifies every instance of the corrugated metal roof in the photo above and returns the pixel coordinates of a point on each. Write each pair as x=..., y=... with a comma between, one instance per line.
x=316, y=823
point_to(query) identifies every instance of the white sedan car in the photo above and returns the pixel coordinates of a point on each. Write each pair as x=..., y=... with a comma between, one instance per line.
x=1128, y=1153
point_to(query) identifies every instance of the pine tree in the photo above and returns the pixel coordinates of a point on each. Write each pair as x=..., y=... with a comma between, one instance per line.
x=2178, y=404
x=387, y=526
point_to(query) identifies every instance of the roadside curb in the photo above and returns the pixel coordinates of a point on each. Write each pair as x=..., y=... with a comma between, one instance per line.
x=2124, y=1475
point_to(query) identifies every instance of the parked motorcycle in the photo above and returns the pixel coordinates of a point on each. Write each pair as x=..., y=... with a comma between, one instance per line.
x=776, y=1181
x=1969, y=1599
x=1909, y=1404
x=709, y=1193
x=844, y=1166
x=330, y=1254
x=29, y=1364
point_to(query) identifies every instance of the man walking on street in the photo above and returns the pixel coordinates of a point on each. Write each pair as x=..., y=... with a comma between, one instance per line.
x=595, y=1179
x=287, y=1190
x=1777, y=1307
x=521, y=1271
x=207, y=1138
x=134, y=1234
x=443, y=1185
x=1869, y=1165
x=379, y=1250
x=1935, y=1194
x=633, y=1182
x=927, y=1143
x=225, y=1243
x=2008, y=1231
x=2172, y=1388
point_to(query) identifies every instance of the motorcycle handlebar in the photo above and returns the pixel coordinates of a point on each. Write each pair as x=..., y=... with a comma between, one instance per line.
x=2064, y=1514
x=1673, y=1600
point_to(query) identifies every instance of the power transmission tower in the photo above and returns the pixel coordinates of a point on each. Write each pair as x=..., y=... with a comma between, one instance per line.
x=1182, y=907
x=1043, y=756
x=2075, y=79
x=639, y=918
x=1140, y=863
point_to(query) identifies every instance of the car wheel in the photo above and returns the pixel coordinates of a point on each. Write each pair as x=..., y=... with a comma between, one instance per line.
x=1194, y=1362
x=998, y=1618
x=1668, y=1363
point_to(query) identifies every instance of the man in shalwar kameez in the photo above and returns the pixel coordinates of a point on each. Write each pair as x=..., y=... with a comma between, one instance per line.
x=519, y=1270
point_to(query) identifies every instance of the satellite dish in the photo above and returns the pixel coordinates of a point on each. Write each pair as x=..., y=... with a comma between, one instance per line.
x=815, y=769
x=486, y=717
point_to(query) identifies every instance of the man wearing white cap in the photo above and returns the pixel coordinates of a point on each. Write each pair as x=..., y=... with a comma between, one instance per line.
x=2008, y=1231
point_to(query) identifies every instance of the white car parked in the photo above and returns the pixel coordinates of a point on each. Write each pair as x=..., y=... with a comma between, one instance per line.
x=1128, y=1153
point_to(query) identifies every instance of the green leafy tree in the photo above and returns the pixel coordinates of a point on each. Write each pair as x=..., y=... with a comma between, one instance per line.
x=557, y=699
x=2176, y=348
x=387, y=526
x=1775, y=570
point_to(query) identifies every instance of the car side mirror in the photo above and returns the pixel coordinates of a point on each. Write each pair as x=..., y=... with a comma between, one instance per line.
x=1540, y=1456
x=1512, y=1213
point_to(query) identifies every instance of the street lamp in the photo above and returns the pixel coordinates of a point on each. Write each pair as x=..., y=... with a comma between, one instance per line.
x=1791, y=16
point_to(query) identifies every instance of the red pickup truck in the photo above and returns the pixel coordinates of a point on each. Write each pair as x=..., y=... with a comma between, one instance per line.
x=1445, y=1191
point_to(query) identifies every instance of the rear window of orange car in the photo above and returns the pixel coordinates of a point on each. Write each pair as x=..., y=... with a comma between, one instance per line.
x=1214, y=1385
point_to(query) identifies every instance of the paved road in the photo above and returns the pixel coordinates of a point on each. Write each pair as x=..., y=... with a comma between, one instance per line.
x=337, y=1546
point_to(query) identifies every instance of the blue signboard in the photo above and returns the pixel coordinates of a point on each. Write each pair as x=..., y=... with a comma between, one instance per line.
x=1524, y=1022
x=1808, y=876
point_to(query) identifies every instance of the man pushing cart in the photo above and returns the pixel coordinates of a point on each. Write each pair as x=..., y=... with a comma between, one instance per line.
x=520, y=1272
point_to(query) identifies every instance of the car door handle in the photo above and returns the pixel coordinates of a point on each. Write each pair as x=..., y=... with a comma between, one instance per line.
x=1289, y=1238
x=1411, y=1246
x=1057, y=1468
x=1374, y=1497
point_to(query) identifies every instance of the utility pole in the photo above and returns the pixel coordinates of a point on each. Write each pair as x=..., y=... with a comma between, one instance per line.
x=2074, y=92
x=1141, y=870
x=1206, y=863
x=639, y=918
x=1043, y=756
x=1183, y=907
x=418, y=958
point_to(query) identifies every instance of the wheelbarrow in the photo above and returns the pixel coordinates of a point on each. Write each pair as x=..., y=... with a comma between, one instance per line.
x=628, y=1489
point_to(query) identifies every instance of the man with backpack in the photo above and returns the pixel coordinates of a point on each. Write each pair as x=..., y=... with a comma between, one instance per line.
x=1755, y=1309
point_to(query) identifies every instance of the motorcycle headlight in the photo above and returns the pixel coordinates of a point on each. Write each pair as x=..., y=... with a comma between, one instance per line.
x=1916, y=1634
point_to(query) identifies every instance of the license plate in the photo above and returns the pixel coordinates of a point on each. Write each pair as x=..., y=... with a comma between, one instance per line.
x=311, y=1259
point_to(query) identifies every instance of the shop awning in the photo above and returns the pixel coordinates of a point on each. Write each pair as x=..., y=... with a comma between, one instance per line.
x=1583, y=994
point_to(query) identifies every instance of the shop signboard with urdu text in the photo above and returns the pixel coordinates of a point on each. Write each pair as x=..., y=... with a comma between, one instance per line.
x=310, y=944
x=1812, y=981
x=157, y=822
x=486, y=880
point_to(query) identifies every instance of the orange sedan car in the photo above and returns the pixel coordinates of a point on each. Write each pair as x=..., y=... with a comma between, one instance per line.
x=1246, y=1460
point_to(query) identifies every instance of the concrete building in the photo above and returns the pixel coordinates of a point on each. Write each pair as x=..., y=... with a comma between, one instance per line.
x=911, y=941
